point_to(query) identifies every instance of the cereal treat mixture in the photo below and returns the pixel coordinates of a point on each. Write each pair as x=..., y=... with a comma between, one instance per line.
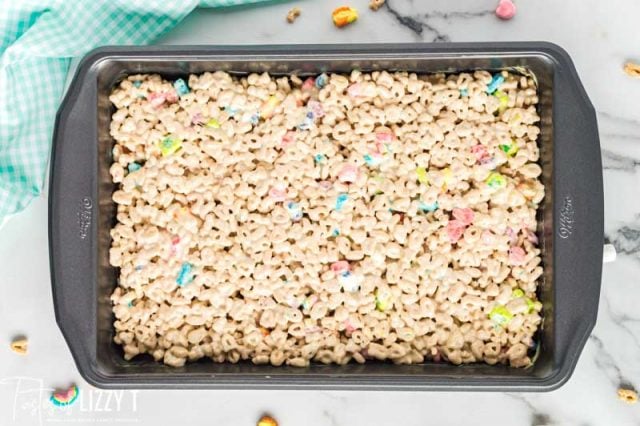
x=286, y=220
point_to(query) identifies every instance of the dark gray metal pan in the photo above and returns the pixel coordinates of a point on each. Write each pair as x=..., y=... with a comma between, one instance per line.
x=81, y=214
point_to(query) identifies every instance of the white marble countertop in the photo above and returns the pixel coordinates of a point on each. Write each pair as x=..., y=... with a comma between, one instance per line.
x=599, y=36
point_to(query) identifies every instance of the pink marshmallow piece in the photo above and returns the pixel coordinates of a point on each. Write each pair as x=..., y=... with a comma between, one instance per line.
x=516, y=255
x=480, y=152
x=288, y=138
x=308, y=84
x=464, y=215
x=385, y=136
x=278, y=194
x=506, y=9
x=349, y=173
x=157, y=99
x=455, y=229
x=354, y=90
x=340, y=266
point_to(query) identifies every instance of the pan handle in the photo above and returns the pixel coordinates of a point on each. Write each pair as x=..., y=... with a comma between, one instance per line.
x=73, y=214
x=578, y=214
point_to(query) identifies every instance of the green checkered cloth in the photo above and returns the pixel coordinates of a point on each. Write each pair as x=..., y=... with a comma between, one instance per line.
x=38, y=40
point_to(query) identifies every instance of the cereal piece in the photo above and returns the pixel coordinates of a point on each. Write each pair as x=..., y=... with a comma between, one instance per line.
x=517, y=255
x=267, y=421
x=506, y=9
x=63, y=398
x=169, y=145
x=500, y=316
x=349, y=281
x=464, y=93
x=629, y=396
x=376, y=4
x=293, y=14
x=344, y=15
x=185, y=275
x=20, y=346
x=181, y=87
x=632, y=69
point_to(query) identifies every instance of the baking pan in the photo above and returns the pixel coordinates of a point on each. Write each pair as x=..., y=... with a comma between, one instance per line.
x=81, y=213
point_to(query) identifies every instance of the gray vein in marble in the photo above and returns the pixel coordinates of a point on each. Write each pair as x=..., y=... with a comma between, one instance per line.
x=613, y=117
x=421, y=22
x=621, y=321
x=329, y=416
x=537, y=418
x=613, y=161
x=605, y=362
x=626, y=239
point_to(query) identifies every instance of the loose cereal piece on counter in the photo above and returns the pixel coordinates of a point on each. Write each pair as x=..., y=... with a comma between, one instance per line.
x=344, y=15
x=20, y=346
x=267, y=421
x=628, y=395
x=63, y=398
x=376, y=4
x=293, y=14
x=632, y=69
x=506, y=9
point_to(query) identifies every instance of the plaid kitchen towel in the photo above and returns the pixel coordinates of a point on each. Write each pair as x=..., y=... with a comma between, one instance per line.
x=38, y=39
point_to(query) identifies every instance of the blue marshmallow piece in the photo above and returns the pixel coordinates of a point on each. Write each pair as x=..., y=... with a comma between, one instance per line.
x=185, y=275
x=496, y=82
x=181, y=87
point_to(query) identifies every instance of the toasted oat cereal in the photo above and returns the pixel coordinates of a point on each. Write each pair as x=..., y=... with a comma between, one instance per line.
x=336, y=218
